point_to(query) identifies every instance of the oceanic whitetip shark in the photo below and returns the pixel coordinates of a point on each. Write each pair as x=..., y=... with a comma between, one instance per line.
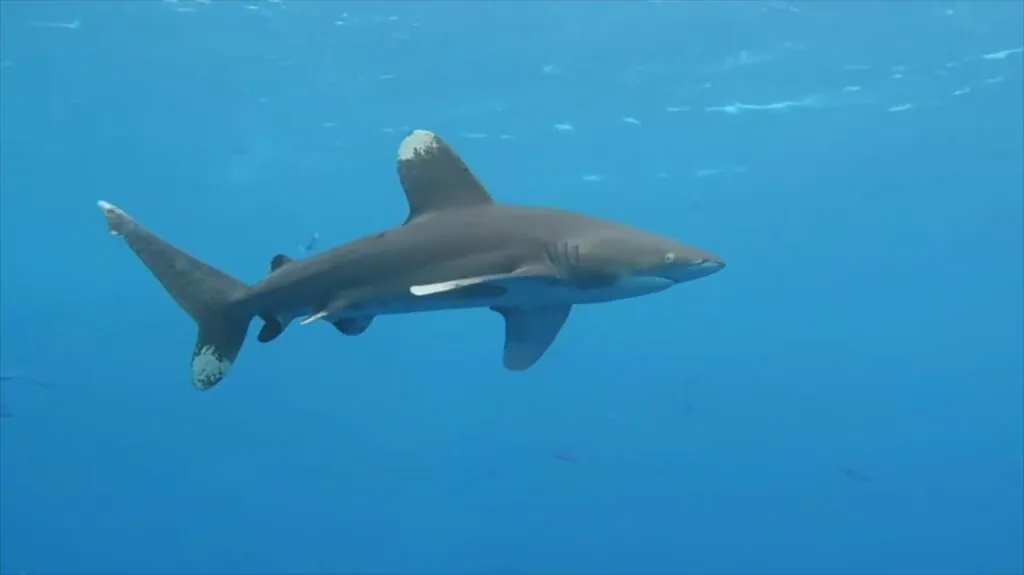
x=457, y=249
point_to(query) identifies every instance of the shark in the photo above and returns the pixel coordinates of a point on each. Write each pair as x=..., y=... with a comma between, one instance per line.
x=457, y=248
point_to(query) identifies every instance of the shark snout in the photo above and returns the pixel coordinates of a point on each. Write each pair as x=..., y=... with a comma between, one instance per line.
x=707, y=266
x=715, y=262
x=696, y=268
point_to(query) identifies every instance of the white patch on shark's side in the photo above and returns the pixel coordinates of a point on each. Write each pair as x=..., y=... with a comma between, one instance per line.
x=522, y=292
x=418, y=142
x=441, y=287
x=208, y=367
x=314, y=317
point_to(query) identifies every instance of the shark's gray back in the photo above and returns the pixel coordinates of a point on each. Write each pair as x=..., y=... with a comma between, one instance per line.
x=456, y=248
x=465, y=242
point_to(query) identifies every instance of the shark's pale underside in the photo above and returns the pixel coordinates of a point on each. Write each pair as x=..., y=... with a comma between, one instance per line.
x=457, y=249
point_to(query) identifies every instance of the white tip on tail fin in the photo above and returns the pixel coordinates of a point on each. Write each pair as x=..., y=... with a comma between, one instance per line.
x=108, y=207
x=208, y=367
x=208, y=295
x=115, y=216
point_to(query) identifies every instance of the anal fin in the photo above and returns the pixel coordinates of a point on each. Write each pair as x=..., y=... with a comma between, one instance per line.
x=272, y=328
x=353, y=325
x=529, y=332
x=279, y=260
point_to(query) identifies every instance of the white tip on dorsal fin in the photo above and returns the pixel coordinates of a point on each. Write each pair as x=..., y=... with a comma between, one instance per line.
x=314, y=317
x=419, y=142
x=434, y=177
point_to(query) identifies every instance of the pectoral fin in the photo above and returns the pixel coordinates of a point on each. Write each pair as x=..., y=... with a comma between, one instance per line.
x=530, y=332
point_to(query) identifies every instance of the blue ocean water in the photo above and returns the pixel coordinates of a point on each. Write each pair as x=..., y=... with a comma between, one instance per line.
x=846, y=397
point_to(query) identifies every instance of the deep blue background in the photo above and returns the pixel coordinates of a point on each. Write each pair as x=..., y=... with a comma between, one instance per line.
x=845, y=398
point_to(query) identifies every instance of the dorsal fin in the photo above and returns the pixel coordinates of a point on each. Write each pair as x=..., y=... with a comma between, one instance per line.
x=434, y=177
x=277, y=261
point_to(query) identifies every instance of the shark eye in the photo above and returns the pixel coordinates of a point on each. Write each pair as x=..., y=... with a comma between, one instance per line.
x=670, y=257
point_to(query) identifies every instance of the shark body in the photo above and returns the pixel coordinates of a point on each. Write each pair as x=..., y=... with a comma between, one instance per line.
x=456, y=249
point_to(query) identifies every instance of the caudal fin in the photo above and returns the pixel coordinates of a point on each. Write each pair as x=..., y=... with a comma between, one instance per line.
x=205, y=293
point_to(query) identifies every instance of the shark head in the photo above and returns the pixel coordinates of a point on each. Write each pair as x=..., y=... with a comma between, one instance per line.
x=625, y=252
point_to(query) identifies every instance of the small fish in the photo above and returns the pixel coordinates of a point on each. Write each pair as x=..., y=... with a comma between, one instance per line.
x=854, y=474
x=566, y=456
x=27, y=379
x=5, y=411
x=310, y=245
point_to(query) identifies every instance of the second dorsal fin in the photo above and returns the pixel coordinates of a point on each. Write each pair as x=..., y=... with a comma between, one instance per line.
x=435, y=178
x=279, y=260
